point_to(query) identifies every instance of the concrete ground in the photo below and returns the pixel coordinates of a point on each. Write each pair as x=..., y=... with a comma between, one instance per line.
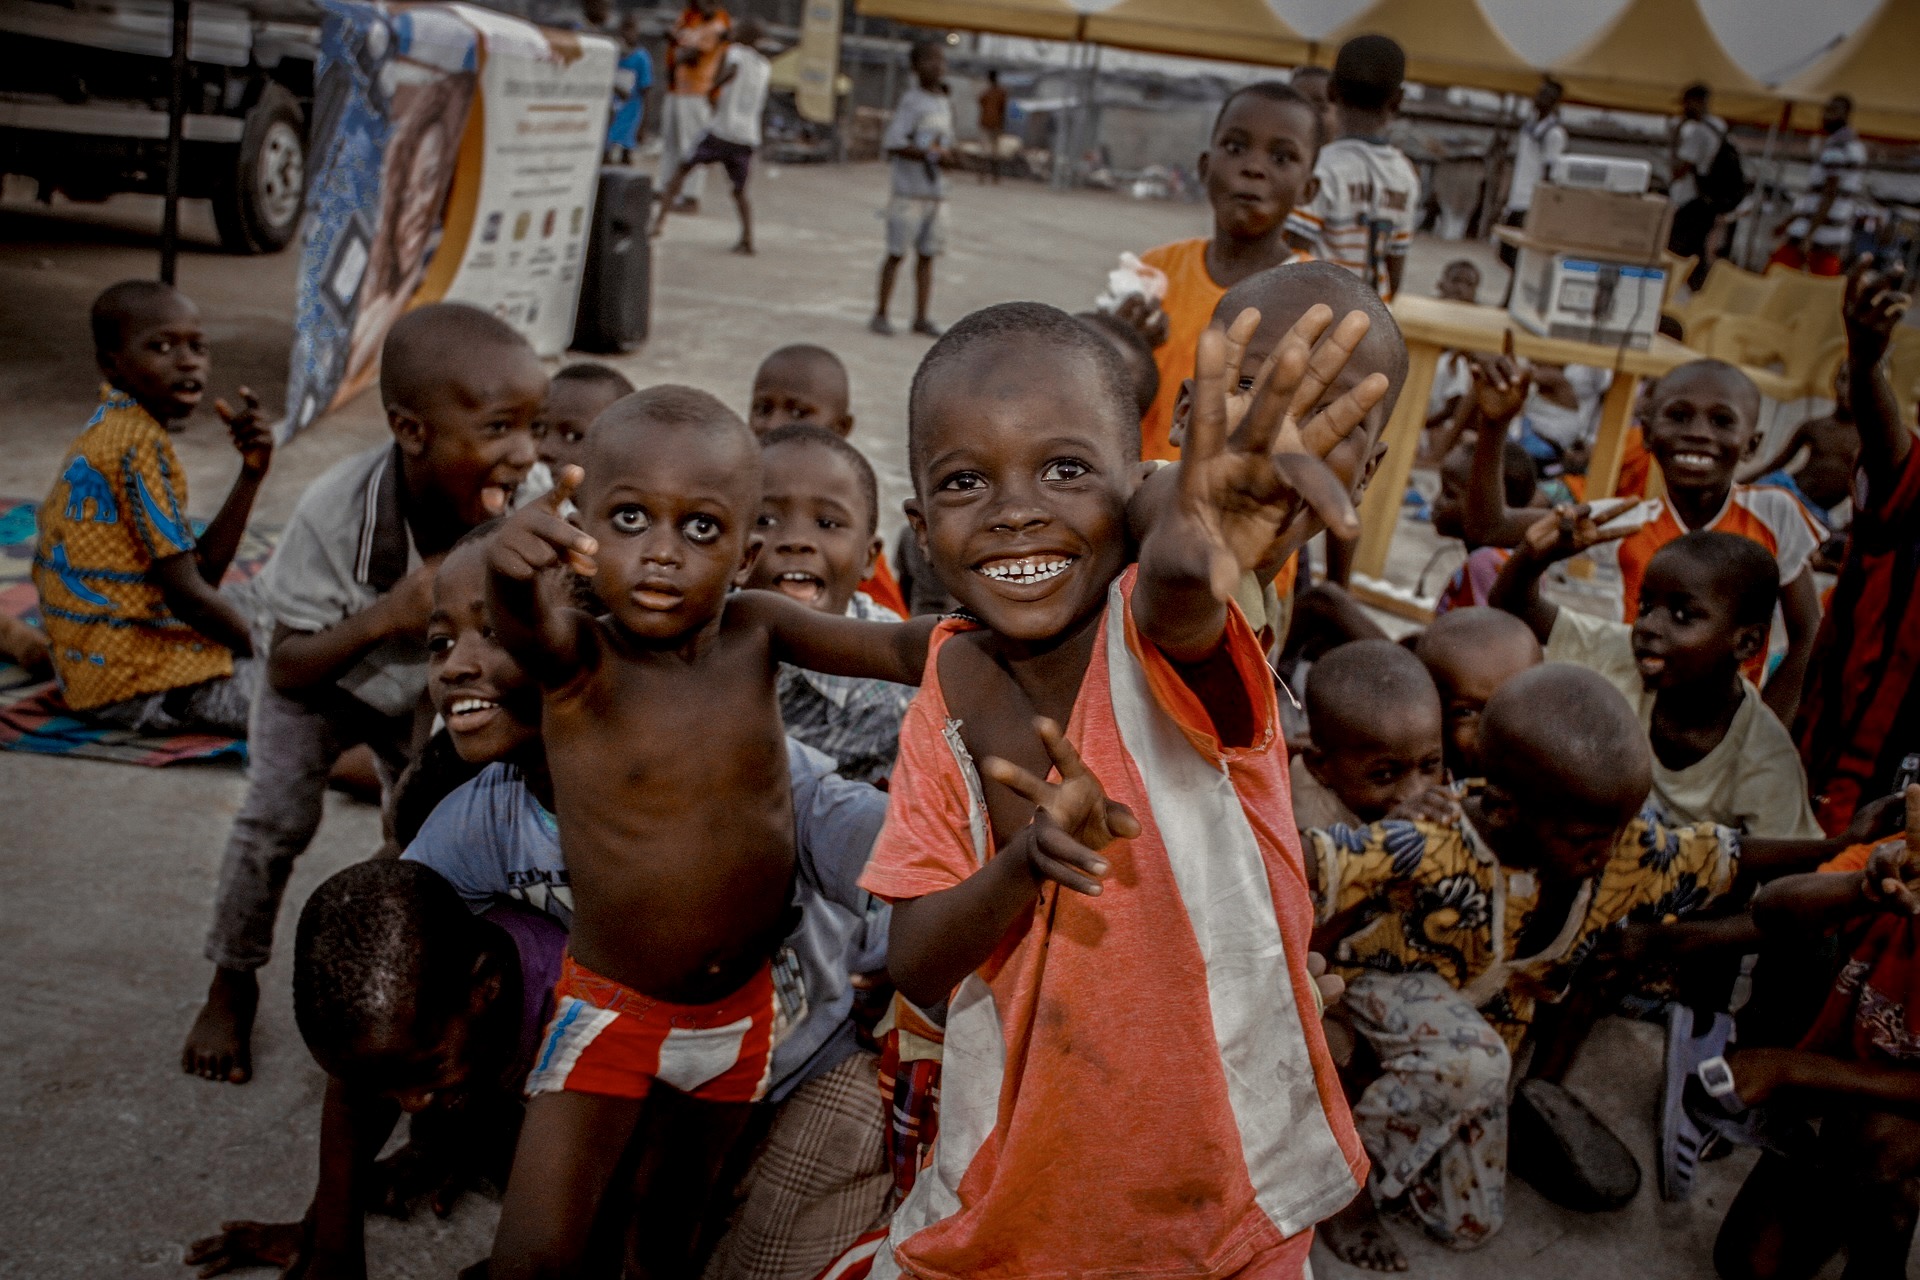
x=113, y=1160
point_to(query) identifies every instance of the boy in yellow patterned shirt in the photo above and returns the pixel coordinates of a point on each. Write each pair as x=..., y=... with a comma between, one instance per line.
x=1470, y=925
x=139, y=634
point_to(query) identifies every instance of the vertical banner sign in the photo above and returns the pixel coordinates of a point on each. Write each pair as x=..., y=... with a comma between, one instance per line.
x=520, y=214
x=391, y=97
x=456, y=154
x=819, y=53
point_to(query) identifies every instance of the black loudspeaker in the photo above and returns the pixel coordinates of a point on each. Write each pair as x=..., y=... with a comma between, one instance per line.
x=616, y=282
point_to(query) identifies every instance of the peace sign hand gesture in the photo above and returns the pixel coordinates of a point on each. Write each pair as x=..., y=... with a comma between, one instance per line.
x=1073, y=819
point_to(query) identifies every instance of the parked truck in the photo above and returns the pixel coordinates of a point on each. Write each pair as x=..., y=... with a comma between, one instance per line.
x=84, y=92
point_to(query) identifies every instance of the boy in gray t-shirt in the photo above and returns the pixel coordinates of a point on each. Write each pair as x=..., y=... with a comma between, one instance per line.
x=916, y=142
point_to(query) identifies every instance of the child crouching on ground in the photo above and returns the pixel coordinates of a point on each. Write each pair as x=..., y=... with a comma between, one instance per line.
x=668, y=763
x=349, y=589
x=1376, y=750
x=138, y=631
x=1089, y=947
x=1705, y=609
x=818, y=518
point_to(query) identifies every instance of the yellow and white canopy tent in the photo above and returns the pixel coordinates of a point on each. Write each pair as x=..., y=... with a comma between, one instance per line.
x=1229, y=30
x=1448, y=42
x=1036, y=19
x=1650, y=52
x=1875, y=67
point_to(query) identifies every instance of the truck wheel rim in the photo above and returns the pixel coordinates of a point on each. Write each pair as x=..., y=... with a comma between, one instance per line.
x=283, y=172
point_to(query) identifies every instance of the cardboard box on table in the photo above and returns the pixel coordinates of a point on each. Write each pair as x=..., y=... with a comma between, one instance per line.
x=1590, y=267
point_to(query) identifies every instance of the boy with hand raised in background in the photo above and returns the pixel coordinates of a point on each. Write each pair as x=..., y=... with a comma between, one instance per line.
x=349, y=590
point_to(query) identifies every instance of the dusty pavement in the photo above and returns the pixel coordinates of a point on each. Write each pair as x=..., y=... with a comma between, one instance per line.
x=111, y=1160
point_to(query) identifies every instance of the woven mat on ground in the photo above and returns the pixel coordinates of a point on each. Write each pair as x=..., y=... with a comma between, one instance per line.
x=34, y=717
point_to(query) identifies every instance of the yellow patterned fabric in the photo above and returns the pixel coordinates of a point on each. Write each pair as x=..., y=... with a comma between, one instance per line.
x=1433, y=893
x=119, y=505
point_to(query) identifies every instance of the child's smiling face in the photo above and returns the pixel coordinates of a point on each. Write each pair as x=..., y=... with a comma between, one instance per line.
x=1687, y=630
x=815, y=526
x=1701, y=425
x=1259, y=165
x=488, y=702
x=672, y=507
x=476, y=439
x=1023, y=477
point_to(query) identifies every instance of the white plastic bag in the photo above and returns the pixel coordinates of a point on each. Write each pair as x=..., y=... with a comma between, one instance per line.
x=1132, y=278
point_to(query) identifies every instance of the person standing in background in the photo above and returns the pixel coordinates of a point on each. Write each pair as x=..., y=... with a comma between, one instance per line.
x=1363, y=214
x=1696, y=141
x=1818, y=237
x=993, y=123
x=695, y=45
x=916, y=143
x=1541, y=142
x=739, y=100
x=631, y=80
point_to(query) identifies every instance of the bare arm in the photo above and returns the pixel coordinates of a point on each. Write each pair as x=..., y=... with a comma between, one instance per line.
x=839, y=645
x=254, y=444
x=1555, y=535
x=1498, y=392
x=937, y=940
x=353, y=1127
x=1800, y=604
x=306, y=659
x=1875, y=303
x=545, y=636
x=193, y=600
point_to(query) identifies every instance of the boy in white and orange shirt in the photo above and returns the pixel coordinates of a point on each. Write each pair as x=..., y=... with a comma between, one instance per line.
x=1257, y=167
x=1151, y=947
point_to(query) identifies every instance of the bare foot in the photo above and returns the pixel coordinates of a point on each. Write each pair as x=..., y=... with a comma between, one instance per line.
x=745, y=247
x=1358, y=1237
x=220, y=1045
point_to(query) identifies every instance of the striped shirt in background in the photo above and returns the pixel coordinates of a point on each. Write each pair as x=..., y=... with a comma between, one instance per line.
x=1365, y=210
x=1840, y=155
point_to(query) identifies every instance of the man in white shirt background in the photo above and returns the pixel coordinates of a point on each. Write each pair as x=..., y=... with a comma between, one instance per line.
x=739, y=99
x=1542, y=141
x=1696, y=141
x=1819, y=235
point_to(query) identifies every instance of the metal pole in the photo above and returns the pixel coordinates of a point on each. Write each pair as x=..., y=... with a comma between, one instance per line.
x=176, y=115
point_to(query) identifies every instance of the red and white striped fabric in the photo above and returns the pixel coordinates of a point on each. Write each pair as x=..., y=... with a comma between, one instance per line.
x=1138, y=1083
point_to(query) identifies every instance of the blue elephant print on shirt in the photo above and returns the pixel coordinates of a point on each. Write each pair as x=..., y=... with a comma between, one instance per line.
x=84, y=484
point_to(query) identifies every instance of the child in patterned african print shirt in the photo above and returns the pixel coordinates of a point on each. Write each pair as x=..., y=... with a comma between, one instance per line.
x=140, y=635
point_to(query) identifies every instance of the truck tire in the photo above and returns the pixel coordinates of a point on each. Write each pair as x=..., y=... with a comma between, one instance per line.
x=257, y=208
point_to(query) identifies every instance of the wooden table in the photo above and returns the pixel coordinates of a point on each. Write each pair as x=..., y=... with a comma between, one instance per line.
x=1431, y=326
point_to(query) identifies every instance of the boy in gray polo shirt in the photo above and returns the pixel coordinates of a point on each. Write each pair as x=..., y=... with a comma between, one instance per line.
x=348, y=592
x=916, y=143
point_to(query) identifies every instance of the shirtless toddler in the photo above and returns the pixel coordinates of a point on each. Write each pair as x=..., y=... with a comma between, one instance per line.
x=670, y=784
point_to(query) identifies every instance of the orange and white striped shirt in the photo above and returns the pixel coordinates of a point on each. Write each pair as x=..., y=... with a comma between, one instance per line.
x=1769, y=516
x=1134, y=1084
x=1365, y=210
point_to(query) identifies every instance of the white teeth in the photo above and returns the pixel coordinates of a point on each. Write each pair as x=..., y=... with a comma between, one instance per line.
x=1694, y=459
x=1031, y=569
x=798, y=577
x=464, y=705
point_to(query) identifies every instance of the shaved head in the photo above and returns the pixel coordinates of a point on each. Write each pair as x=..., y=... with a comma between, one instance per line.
x=1481, y=638
x=1562, y=734
x=131, y=305
x=445, y=346
x=1283, y=294
x=1363, y=683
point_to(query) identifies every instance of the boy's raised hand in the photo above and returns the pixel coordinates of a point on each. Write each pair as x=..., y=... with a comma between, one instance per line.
x=1567, y=531
x=1073, y=819
x=537, y=537
x=1875, y=304
x=1891, y=865
x=1500, y=384
x=251, y=438
x=1244, y=483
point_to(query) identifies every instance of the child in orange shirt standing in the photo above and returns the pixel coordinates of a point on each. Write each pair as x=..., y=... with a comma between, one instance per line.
x=1257, y=167
x=1125, y=948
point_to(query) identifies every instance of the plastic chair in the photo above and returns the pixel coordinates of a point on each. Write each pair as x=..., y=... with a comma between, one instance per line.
x=1903, y=369
x=1727, y=290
